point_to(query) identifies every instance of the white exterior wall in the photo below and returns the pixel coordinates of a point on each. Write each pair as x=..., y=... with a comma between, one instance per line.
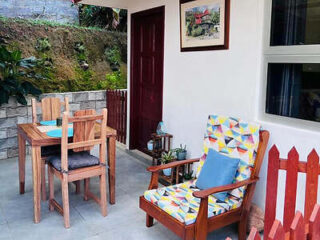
x=197, y=84
x=229, y=82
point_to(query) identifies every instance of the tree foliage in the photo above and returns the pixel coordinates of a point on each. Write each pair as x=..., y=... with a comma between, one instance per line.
x=107, y=18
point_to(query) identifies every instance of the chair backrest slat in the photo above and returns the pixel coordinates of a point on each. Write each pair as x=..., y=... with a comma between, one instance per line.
x=89, y=143
x=83, y=131
x=311, y=183
x=297, y=229
x=291, y=188
x=272, y=188
x=50, y=108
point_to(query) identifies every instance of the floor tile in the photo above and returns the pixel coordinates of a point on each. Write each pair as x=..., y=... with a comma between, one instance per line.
x=5, y=233
x=125, y=219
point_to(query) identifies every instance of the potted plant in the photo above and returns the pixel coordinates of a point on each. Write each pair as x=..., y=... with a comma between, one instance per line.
x=188, y=176
x=181, y=152
x=165, y=159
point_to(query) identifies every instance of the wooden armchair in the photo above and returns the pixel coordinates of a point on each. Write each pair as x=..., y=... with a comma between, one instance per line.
x=78, y=165
x=50, y=110
x=199, y=220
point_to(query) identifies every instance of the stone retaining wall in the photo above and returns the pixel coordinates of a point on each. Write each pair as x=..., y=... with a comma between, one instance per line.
x=14, y=113
x=61, y=11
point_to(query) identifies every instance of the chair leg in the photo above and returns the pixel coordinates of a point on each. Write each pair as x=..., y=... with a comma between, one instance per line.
x=51, y=187
x=65, y=200
x=43, y=181
x=86, y=188
x=149, y=221
x=242, y=229
x=78, y=187
x=103, y=194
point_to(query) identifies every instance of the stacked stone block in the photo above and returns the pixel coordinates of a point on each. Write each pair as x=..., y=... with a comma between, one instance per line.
x=14, y=113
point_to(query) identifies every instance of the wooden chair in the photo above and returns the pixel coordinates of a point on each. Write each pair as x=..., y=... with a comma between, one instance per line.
x=50, y=110
x=292, y=166
x=204, y=224
x=80, y=164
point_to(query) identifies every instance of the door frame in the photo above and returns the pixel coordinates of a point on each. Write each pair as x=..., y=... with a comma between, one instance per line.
x=133, y=113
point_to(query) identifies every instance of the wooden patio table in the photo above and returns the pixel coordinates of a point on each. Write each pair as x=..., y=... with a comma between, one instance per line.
x=37, y=139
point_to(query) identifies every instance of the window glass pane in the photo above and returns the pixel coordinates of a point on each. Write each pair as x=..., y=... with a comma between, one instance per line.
x=294, y=90
x=295, y=22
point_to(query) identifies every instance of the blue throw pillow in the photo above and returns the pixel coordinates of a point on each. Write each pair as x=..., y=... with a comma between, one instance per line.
x=217, y=170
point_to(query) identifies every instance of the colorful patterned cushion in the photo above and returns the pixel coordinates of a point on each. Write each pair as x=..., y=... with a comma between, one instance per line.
x=178, y=201
x=235, y=138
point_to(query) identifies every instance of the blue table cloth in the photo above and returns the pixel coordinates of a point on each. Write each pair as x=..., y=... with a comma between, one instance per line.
x=57, y=133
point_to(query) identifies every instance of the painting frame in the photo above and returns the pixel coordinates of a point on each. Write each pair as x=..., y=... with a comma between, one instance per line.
x=205, y=45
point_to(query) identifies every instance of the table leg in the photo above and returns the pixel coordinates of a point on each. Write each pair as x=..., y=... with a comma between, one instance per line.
x=22, y=162
x=36, y=178
x=112, y=169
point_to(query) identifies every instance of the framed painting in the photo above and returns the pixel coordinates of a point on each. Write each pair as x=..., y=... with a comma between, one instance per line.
x=204, y=25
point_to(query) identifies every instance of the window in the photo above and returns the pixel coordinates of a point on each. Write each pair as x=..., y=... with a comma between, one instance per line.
x=292, y=59
x=295, y=22
x=294, y=90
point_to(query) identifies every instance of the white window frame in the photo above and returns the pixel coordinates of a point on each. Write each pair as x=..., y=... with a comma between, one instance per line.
x=283, y=54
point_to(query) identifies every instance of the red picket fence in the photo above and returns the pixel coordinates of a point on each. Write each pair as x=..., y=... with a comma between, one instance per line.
x=294, y=227
x=117, y=112
x=293, y=167
x=299, y=228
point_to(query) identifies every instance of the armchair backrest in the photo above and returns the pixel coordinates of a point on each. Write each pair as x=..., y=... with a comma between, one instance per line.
x=50, y=108
x=235, y=138
x=84, y=134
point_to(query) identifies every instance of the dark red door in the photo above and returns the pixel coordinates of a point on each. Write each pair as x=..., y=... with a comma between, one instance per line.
x=147, y=50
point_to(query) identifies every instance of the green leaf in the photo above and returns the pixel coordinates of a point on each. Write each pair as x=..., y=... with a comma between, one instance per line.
x=28, y=63
x=7, y=87
x=30, y=89
x=4, y=96
x=14, y=78
x=16, y=56
x=21, y=99
x=4, y=54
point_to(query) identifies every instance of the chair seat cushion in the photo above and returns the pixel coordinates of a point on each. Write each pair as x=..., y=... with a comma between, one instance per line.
x=75, y=160
x=50, y=150
x=178, y=201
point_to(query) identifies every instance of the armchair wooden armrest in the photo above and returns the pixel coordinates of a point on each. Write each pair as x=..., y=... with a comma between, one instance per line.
x=207, y=192
x=171, y=165
x=202, y=218
x=155, y=170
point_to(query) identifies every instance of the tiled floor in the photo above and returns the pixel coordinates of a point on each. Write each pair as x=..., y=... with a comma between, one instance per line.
x=124, y=221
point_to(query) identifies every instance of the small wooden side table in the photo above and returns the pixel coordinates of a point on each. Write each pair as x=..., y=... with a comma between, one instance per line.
x=161, y=143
